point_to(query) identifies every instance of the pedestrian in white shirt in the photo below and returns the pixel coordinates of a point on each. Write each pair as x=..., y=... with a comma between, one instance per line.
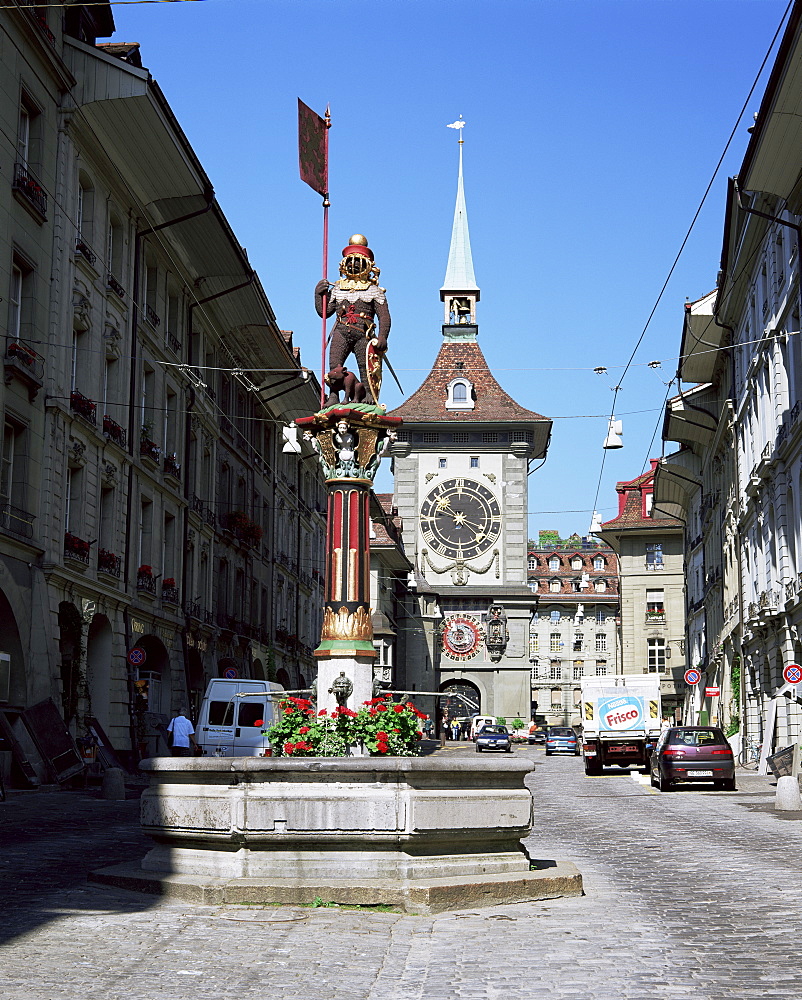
x=183, y=734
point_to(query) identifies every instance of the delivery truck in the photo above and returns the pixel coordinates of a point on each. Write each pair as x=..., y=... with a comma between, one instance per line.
x=621, y=719
x=233, y=715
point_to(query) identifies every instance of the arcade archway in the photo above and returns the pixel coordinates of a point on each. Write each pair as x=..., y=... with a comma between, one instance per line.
x=98, y=669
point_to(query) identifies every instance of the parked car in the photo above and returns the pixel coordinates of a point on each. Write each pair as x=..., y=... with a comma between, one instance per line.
x=536, y=735
x=493, y=738
x=692, y=753
x=562, y=739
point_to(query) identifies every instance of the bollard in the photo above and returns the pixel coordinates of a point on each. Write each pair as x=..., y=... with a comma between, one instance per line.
x=113, y=785
x=787, y=798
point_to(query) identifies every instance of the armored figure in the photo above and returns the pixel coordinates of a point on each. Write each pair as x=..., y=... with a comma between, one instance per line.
x=360, y=304
x=342, y=689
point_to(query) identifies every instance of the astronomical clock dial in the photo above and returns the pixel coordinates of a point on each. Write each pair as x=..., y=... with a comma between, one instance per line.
x=462, y=636
x=460, y=519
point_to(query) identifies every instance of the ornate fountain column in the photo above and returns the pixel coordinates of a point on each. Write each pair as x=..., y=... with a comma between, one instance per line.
x=350, y=439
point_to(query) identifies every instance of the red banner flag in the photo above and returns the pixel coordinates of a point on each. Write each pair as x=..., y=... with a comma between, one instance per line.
x=312, y=158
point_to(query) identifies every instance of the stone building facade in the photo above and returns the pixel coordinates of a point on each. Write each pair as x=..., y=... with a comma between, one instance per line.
x=146, y=498
x=574, y=633
x=736, y=478
x=649, y=547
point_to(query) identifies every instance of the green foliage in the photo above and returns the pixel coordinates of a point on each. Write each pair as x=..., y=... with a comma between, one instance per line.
x=383, y=728
x=735, y=675
x=500, y=720
x=518, y=723
x=733, y=727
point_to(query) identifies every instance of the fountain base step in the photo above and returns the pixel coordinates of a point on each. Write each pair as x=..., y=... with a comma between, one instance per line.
x=551, y=880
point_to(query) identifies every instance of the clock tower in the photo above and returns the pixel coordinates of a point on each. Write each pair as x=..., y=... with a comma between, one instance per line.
x=461, y=466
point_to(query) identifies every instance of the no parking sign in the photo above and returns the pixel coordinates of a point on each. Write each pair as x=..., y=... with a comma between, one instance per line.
x=693, y=676
x=137, y=656
x=793, y=673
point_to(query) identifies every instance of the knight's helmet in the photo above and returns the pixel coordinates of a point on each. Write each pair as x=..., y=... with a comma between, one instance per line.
x=357, y=262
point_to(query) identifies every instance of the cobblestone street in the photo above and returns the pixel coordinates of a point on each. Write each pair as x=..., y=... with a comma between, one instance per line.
x=689, y=894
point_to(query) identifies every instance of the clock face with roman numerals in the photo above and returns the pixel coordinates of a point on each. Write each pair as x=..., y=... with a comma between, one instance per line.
x=460, y=519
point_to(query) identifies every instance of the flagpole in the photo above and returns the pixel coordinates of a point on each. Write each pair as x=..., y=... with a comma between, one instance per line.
x=326, y=204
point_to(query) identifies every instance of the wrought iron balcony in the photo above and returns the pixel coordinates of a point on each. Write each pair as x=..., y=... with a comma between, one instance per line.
x=113, y=431
x=26, y=184
x=109, y=563
x=22, y=362
x=146, y=582
x=114, y=285
x=83, y=249
x=197, y=611
x=655, y=617
x=83, y=406
x=171, y=467
x=16, y=520
x=150, y=450
x=152, y=316
x=173, y=343
x=170, y=593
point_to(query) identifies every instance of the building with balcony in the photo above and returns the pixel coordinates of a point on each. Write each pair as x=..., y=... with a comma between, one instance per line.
x=737, y=476
x=650, y=554
x=145, y=499
x=573, y=633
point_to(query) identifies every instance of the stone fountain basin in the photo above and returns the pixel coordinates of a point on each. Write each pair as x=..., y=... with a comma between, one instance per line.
x=422, y=835
x=317, y=817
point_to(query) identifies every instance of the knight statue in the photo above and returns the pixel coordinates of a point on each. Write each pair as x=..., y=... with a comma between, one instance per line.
x=360, y=304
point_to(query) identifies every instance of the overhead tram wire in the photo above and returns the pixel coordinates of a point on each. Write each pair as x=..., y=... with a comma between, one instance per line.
x=735, y=128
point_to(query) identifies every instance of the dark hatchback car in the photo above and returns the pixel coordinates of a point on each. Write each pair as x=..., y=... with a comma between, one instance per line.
x=692, y=753
x=493, y=738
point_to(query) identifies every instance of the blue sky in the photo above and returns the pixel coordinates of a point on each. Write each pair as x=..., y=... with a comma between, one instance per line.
x=593, y=131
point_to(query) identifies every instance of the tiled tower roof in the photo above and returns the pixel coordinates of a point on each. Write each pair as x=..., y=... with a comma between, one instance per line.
x=463, y=358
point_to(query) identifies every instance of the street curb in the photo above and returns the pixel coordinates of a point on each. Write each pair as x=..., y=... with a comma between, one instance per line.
x=414, y=896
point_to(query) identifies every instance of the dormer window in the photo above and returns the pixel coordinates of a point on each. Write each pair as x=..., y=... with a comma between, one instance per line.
x=460, y=395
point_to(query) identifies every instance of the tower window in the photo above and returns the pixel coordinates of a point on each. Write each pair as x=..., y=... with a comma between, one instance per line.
x=474, y=461
x=460, y=395
x=430, y=437
x=490, y=437
x=442, y=463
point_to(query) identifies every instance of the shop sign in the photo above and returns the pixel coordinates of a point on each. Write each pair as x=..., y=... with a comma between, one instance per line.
x=712, y=692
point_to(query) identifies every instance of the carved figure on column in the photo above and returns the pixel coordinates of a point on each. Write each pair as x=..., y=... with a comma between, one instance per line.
x=342, y=689
x=360, y=304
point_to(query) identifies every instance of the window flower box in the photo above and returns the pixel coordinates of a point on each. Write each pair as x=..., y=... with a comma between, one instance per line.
x=108, y=562
x=76, y=548
x=83, y=406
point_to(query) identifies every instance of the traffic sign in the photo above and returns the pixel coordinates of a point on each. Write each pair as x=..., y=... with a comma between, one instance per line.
x=712, y=692
x=137, y=656
x=793, y=673
x=231, y=673
x=693, y=676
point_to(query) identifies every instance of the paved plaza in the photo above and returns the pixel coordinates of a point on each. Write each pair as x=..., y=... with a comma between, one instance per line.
x=692, y=894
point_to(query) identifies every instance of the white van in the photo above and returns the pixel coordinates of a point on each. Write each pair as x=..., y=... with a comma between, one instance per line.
x=233, y=714
x=478, y=721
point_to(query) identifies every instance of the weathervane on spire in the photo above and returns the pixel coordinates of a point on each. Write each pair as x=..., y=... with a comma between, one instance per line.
x=459, y=125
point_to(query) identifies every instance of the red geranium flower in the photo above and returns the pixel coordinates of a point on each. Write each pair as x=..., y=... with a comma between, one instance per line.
x=322, y=711
x=398, y=708
x=303, y=730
